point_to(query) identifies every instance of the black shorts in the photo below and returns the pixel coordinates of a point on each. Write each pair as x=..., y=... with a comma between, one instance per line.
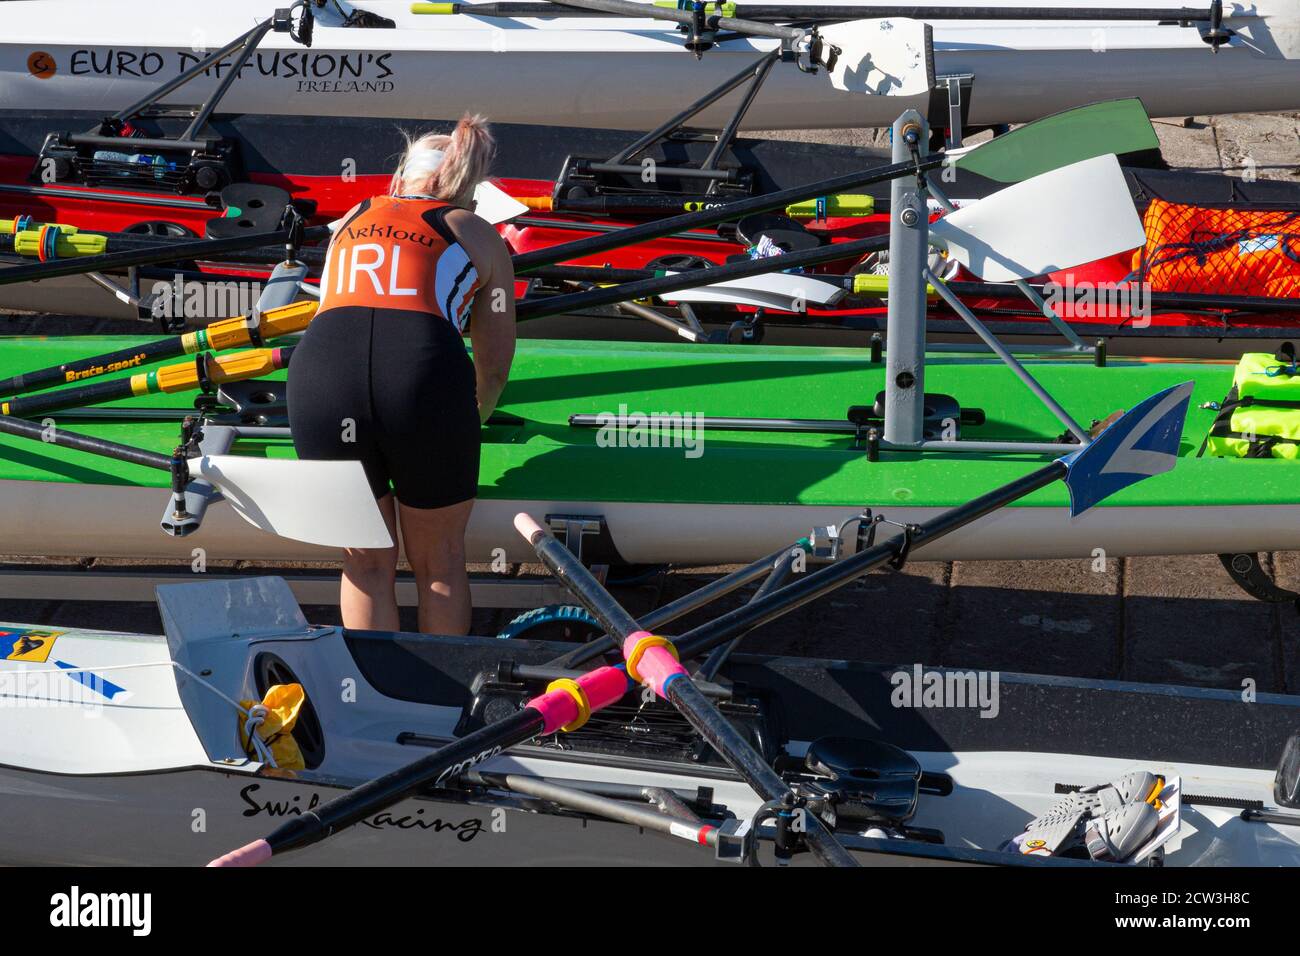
x=394, y=390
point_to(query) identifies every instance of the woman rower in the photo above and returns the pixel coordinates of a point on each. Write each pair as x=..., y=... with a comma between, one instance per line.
x=382, y=374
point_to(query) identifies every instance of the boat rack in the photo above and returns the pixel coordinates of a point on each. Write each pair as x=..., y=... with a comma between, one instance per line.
x=197, y=160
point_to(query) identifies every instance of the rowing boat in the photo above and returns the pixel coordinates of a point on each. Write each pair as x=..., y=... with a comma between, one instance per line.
x=782, y=459
x=612, y=72
x=154, y=209
x=634, y=787
x=210, y=174
x=1185, y=327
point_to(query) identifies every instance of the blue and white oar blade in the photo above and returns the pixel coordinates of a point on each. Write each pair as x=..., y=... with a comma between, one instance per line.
x=1140, y=444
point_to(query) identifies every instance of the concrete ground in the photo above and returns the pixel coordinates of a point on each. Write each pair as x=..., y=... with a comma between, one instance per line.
x=1166, y=620
x=1264, y=145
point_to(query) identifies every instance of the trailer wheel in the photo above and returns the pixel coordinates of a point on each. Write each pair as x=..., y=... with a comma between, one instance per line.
x=555, y=622
x=1246, y=571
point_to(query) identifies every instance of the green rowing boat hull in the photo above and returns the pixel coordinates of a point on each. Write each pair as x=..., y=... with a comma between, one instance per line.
x=734, y=493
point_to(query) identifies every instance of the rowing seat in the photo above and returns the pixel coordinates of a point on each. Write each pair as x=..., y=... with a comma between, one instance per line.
x=783, y=232
x=249, y=208
x=865, y=781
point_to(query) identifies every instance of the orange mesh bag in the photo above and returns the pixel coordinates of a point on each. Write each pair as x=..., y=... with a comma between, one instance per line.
x=1220, y=251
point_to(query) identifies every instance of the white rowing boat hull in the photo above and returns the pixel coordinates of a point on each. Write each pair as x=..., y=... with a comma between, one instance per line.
x=76, y=520
x=138, y=761
x=619, y=74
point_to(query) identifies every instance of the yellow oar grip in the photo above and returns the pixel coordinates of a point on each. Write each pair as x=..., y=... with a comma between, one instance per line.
x=183, y=376
x=233, y=333
x=433, y=9
x=727, y=9
x=9, y=227
x=872, y=284
x=65, y=246
x=540, y=203
x=825, y=207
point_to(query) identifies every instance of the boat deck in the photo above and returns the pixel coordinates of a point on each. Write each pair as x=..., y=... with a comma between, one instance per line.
x=537, y=454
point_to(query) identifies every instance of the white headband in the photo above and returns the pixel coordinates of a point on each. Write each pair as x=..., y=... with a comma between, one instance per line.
x=421, y=164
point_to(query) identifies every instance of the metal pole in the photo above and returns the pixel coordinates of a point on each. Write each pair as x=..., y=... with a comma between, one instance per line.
x=759, y=67
x=992, y=341
x=909, y=233
x=777, y=579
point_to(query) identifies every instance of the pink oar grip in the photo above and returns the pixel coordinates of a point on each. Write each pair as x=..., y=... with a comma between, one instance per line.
x=259, y=851
x=604, y=686
x=557, y=708
x=527, y=526
x=656, y=665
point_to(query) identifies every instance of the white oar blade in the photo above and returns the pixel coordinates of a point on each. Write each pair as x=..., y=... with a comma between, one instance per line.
x=319, y=502
x=495, y=205
x=1062, y=219
x=1142, y=443
x=775, y=290
x=893, y=57
x=490, y=203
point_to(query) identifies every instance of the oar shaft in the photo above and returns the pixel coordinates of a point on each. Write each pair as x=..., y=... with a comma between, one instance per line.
x=701, y=596
x=198, y=249
x=181, y=377
x=718, y=732
x=745, y=618
x=694, y=278
x=644, y=232
x=926, y=12
x=217, y=337
x=395, y=786
x=837, y=12
x=679, y=690
x=54, y=435
x=627, y=8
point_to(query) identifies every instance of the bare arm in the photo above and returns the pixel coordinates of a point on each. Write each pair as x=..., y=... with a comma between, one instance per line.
x=492, y=317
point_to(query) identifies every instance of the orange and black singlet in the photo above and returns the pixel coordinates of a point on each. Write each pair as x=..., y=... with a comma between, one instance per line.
x=382, y=375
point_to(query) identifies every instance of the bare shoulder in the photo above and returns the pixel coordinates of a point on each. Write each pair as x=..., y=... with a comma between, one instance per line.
x=471, y=230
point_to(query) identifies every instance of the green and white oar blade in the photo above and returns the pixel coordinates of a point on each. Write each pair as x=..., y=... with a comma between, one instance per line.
x=328, y=503
x=1115, y=126
x=1059, y=220
x=893, y=57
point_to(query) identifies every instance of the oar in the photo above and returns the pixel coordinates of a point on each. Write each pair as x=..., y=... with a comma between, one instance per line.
x=1015, y=233
x=206, y=370
x=218, y=337
x=1115, y=126
x=1135, y=446
x=844, y=205
x=788, y=286
x=653, y=662
x=694, y=278
x=327, y=503
x=893, y=57
x=1164, y=301
x=129, y=241
x=829, y=13
x=169, y=251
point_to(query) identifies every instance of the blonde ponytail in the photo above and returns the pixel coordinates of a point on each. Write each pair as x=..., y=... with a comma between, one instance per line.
x=447, y=167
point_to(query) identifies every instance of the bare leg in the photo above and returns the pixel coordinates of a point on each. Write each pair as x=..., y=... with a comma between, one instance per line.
x=368, y=596
x=435, y=546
